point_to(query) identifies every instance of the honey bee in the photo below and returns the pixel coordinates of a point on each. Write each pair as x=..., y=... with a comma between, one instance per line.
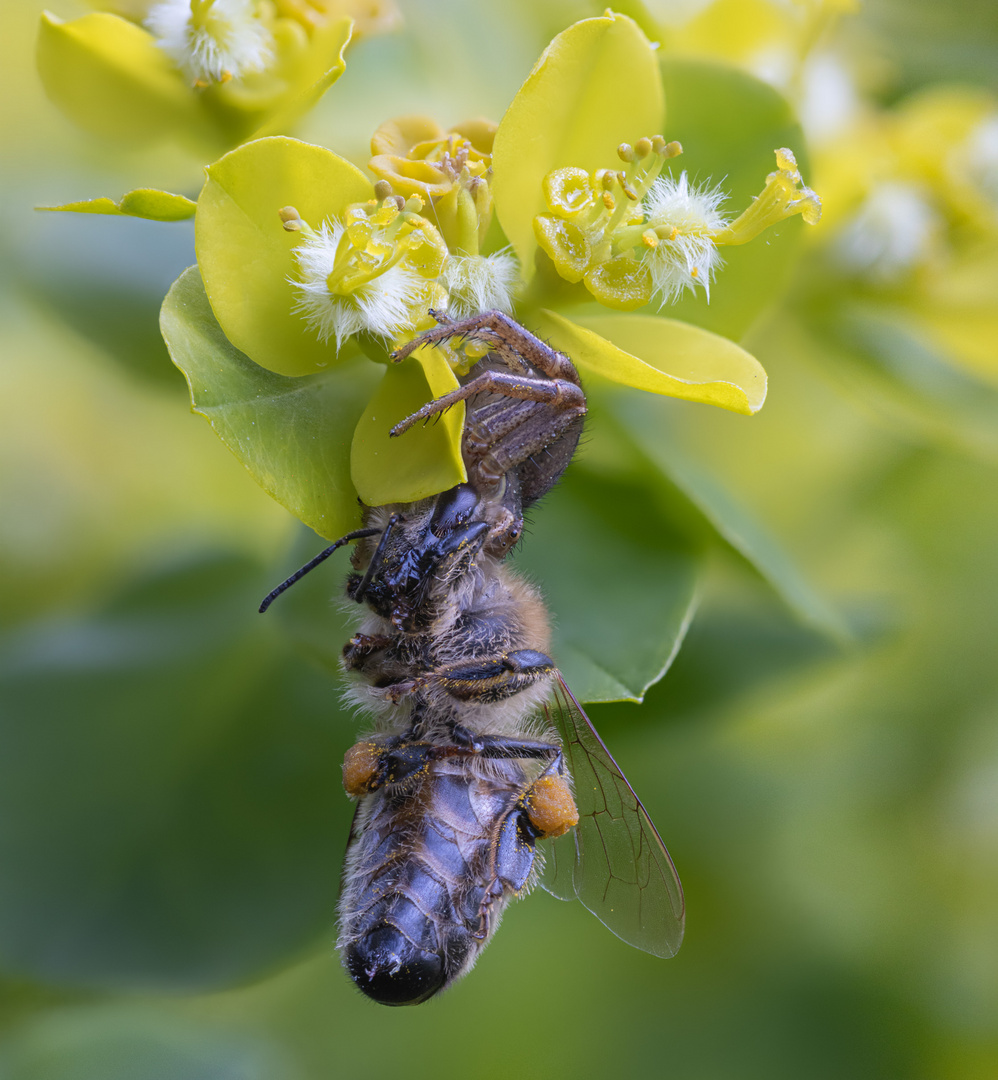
x=479, y=744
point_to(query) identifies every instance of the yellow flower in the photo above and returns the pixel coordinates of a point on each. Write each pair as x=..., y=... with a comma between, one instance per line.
x=210, y=72
x=372, y=271
x=448, y=169
x=634, y=235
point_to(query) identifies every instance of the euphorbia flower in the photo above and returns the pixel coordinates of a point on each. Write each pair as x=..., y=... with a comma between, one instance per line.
x=633, y=236
x=211, y=72
x=372, y=271
x=308, y=265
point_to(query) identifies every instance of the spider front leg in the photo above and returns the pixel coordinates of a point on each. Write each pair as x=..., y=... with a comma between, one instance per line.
x=558, y=393
x=517, y=346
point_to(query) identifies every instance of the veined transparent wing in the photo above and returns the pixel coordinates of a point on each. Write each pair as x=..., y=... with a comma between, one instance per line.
x=614, y=861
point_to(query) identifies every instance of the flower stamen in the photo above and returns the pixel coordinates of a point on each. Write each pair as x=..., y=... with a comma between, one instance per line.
x=375, y=270
x=212, y=41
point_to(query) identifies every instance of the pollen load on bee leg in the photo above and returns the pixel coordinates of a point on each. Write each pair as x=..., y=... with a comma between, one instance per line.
x=550, y=806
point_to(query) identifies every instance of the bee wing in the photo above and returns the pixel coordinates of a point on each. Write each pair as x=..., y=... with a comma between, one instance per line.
x=614, y=861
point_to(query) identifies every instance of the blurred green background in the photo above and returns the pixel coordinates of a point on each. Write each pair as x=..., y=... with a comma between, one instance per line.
x=821, y=758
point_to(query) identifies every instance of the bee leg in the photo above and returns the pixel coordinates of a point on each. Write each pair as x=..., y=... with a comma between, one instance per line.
x=499, y=746
x=496, y=679
x=514, y=847
x=372, y=763
x=361, y=766
x=361, y=647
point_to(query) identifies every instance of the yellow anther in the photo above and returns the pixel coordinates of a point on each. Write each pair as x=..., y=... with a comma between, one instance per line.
x=673, y=149
x=694, y=272
x=643, y=147
x=649, y=239
x=288, y=213
x=382, y=189
x=625, y=186
x=608, y=201
x=658, y=144
x=225, y=77
x=625, y=152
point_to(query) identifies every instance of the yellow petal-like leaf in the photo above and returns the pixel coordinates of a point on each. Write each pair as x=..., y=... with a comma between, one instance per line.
x=422, y=461
x=147, y=203
x=313, y=73
x=595, y=86
x=107, y=75
x=662, y=356
x=246, y=256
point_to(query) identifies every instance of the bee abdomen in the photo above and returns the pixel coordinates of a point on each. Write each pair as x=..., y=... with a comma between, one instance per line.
x=409, y=940
x=430, y=880
x=391, y=969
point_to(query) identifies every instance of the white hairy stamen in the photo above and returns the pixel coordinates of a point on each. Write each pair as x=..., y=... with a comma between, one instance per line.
x=225, y=40
x=477, y=283
x=685, y=217
x=381, y=306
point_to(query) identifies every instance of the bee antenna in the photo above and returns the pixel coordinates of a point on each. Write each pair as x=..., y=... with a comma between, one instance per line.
x=379, y=553
x=312, y=564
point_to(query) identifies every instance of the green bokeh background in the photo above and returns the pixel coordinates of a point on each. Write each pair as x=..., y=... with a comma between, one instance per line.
x=171, y=818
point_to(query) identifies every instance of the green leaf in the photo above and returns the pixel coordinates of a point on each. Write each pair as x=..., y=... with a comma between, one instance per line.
x=643, y=424
x=881, y=355
x=425, y=459
x=107, y=75
x=729, y=124
x=126, y=1041
x=245, y=255
x=595, y=86
x=615, y=633
x=662, y=356
x=142, y=202
x=293, y=435
x=169, y=791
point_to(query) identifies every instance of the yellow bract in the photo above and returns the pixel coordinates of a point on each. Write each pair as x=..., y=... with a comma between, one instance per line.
x=107, y=75
x=404, y=469
x=597, y=82
x=110, y=76
x=246, y=257
x=662, y=356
